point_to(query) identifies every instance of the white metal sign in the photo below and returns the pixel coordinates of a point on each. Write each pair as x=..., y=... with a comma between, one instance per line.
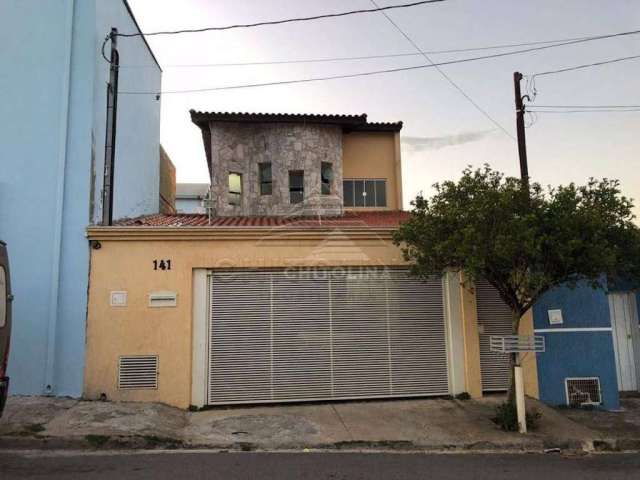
x=517, y=343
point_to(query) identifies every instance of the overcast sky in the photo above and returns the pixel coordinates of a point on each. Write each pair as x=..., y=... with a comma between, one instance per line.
x=442, y=131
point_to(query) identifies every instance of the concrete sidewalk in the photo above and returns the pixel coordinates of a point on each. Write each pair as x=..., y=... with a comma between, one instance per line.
x=425, y=424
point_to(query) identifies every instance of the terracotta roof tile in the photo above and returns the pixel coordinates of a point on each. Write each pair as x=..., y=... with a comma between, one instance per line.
x=348, y=122
x=374, y=219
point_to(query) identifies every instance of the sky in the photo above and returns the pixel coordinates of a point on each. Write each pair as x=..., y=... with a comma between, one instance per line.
x=443, y=132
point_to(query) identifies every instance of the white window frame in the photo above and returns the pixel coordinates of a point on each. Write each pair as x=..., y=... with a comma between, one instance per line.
x=375, y=191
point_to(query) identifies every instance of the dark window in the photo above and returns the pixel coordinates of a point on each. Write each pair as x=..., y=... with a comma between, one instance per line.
x=235, y=189
x=365, y=193
x=381, y=193
x=326, y=177
x=296, y=186
x=358, y=188
x=266, y=184
x=347, y=191
x=370, y=193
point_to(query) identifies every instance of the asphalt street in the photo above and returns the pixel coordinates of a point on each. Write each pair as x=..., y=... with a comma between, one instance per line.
x=332, y=466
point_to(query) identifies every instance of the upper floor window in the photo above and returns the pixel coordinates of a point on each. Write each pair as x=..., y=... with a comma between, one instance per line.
x=296, y=186
x=326, y=177
x=266, y=183
x=365, y=193
x=235, y=189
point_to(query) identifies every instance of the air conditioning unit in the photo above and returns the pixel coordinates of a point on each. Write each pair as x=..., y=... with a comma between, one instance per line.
x=583, y=391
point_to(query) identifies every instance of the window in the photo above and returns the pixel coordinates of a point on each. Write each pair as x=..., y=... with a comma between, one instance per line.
x=347, y=192
x=381, y=193
x=326, y=177
x=365, y=193
x=296, y=186
x=235, y=189
x=266, y=184
x=3, y=297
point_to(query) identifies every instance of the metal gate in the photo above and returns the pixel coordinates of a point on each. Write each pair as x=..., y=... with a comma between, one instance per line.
x=294, y=335
x=494, y=318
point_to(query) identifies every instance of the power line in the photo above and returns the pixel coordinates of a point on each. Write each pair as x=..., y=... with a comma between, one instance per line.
x=445, y=76
x=586, y=106
x=377, y=72
x=363, y=57
x=586, y=65
x=279, y=22
x=600, y=110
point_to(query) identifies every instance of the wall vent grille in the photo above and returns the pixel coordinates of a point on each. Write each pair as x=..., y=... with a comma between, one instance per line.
x=583, y=391
x=138, y=372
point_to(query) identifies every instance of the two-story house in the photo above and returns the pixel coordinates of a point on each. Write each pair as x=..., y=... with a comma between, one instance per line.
x=290, y=288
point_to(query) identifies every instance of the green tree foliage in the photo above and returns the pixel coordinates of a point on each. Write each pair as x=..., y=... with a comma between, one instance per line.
x=522, y=238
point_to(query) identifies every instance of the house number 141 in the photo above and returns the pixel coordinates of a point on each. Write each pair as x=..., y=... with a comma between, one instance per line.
x=162, y=264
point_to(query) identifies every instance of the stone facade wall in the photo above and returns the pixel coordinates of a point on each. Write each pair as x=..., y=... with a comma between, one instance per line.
x=240, y=147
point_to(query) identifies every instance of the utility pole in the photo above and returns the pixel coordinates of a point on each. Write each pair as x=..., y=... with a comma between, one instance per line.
x=522, y=142
x=110, y=131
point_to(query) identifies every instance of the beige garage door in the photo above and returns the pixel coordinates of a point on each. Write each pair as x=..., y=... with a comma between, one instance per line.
x=494, y=318
x=292, y=335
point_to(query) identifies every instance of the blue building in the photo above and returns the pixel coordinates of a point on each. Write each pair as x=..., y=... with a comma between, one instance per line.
x=53, y=104
x=592, y=341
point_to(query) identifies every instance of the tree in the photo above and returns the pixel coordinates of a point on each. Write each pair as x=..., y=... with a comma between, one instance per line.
x=521, y=238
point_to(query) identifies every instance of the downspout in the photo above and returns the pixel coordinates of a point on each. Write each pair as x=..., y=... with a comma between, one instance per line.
x=52, y=321
x=398, y=168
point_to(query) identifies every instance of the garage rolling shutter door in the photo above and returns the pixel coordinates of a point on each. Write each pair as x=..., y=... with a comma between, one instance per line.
x=494, y=318
x=278, y=336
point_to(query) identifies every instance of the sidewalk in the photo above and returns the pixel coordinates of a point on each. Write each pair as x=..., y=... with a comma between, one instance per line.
x=422, y=425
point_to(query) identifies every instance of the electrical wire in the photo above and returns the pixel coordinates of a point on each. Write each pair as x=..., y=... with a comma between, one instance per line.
x=586, y=65
x=601, y=110
x=104, y=44
x=378, y=72
x=587, y=106
x=445, y=76
x=362, y=57
x=279, y=22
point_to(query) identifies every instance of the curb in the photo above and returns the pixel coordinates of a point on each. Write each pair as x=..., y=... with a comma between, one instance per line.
x=139, y=442
x=617, y=445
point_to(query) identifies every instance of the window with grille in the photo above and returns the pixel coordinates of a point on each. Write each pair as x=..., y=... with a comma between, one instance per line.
x=364, y=192
x=583, y=391
x=235, y=189
x=296, y=186
x=266, y=183
x=326, y=177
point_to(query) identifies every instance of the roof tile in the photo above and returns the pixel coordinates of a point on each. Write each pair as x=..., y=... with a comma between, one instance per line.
x=373, y=219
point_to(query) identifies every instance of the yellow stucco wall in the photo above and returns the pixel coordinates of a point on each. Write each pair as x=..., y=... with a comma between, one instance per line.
x=127, y=265
x=528, y=360
x=374, y=155
x=473, y=374
x=473, y=377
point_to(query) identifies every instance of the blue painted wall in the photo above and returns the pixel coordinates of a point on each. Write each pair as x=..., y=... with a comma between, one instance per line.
x=52, y=88
x=576, y=354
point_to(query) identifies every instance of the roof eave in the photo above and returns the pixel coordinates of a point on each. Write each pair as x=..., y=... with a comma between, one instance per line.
x=125, y=233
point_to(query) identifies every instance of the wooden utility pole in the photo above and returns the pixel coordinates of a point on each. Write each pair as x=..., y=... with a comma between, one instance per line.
x=110, y=131
x=522, y=142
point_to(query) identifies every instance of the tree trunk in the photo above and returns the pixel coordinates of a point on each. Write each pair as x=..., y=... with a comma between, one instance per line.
x=513, y=360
